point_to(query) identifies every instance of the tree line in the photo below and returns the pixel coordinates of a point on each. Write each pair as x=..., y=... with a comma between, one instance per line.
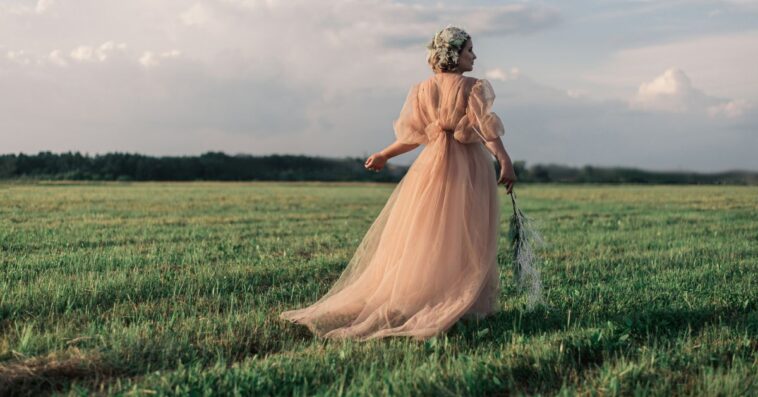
x=223, y=167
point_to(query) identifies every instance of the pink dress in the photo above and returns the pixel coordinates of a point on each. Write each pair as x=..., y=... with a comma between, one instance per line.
x=430, y=257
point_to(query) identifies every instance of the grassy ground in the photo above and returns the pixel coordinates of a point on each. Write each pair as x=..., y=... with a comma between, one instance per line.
x=174, y=288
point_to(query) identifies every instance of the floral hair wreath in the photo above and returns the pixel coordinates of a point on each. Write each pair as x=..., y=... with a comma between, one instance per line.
x=446, y=45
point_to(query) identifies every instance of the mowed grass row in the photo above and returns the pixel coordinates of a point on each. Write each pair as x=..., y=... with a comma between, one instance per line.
x=175, y=288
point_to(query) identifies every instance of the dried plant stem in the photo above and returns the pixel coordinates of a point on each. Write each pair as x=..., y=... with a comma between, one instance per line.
x=523, y=236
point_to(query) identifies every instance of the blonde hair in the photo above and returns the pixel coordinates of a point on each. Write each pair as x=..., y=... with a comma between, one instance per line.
x=445, y=48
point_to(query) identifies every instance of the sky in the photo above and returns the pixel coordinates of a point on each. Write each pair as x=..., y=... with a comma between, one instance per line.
x=658, y=85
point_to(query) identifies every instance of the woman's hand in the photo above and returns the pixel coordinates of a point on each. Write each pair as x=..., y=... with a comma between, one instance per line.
x=507, y=174
x=375, y=162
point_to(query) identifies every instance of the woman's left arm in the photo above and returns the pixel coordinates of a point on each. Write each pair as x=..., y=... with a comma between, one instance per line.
x=507, y=173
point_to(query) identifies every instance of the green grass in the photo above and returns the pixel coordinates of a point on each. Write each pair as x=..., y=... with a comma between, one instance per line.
x=175, y=288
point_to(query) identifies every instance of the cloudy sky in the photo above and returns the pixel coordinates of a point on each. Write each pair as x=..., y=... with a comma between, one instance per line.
x=665, y=85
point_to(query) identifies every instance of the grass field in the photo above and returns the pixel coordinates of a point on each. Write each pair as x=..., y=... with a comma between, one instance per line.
x=175, y=288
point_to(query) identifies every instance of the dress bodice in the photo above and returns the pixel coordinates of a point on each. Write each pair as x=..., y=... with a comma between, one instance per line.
x=449, y=103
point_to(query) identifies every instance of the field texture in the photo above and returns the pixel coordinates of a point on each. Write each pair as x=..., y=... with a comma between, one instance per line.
x=175, y=288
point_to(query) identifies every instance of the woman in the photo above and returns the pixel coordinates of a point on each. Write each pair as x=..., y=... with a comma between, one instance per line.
x=430, y=257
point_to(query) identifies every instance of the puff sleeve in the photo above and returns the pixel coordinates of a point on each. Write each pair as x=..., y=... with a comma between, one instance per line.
x=479, y=111
x=409, y=127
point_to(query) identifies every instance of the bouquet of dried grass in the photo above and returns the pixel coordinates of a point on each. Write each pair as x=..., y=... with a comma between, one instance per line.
x=523, y=237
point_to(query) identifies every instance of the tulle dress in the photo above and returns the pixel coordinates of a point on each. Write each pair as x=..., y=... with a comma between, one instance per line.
x=430, y=256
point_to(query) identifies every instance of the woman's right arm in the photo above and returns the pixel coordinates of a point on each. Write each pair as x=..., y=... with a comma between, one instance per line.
x=377, y=160
x=397, y=148
x=409, y=132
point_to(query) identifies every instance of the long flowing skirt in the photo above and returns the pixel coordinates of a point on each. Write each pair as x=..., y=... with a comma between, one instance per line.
x=429, y=258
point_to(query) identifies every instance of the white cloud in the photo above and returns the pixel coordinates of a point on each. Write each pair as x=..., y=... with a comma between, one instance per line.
x=43, y=5
x=576, y=93
x=502, y=75
x=57, y=58
x=85, y=53
x=732, y=109
x=18, y=56
x=673, y=92
x=196, y=15
x=171, y=54
x=108, y=47
x=252, y=4
x=40, y=7
x=722, y=65
x=82, y=53
x=150, y=59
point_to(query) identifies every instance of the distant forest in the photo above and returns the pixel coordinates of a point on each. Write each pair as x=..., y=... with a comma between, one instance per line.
x=222, y=167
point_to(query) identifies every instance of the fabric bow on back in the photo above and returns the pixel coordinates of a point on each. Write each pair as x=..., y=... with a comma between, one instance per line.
x=434, y=130
x=465, y=133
